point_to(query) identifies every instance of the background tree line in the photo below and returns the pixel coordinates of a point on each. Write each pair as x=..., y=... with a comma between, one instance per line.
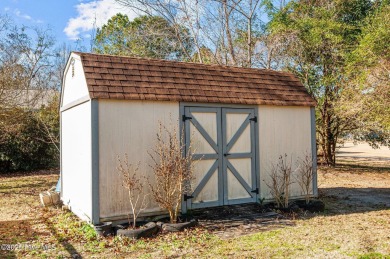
x=338, y=48
x=31, y=69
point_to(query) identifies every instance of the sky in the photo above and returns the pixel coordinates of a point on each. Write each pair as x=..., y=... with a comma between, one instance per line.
x=68, y=20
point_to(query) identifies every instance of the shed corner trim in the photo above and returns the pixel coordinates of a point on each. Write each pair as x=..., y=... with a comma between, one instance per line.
x=95, y=213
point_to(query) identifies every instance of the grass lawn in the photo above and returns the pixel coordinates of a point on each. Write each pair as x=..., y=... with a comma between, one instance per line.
x=355, y=224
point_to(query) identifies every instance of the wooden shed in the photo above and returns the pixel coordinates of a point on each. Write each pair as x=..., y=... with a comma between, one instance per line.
x=240, y=120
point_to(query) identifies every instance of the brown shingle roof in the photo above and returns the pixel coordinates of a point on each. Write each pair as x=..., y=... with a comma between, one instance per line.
x=114, y=77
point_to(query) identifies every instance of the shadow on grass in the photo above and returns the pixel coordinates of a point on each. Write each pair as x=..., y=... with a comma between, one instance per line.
x=364, y=159
x=349, y=152
x=38, y=184
x=27, y=189
x=344, y=200
x=14, y=234
x=29, y=185
x=362, y=198
x=54, y=171
x=355, y=167
x=67, y=246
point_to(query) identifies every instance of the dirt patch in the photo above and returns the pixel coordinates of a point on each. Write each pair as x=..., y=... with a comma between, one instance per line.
x=364, y=152
x=361, y=179
x=238, y=220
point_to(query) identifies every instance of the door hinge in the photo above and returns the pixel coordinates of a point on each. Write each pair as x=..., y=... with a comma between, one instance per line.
x=255, y=191
x=253, y=119
x=184, y=118
x=187, y=197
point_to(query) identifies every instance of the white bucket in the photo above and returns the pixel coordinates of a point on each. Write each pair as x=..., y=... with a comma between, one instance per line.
x=49, y=198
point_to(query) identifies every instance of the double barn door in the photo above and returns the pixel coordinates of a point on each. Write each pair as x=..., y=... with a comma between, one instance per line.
x=224, y=143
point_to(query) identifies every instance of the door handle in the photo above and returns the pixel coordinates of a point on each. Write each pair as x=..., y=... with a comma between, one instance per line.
x=227, y=154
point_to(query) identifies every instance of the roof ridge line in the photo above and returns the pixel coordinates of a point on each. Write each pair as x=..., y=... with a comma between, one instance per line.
x=186, y=62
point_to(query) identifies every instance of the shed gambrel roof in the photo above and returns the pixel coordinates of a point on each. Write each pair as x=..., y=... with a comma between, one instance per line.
x=128, y=78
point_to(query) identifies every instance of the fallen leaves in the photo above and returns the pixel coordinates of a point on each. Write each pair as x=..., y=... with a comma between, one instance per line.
x=350, y=227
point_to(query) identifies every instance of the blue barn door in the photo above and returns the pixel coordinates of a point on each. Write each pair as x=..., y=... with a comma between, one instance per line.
x=224, y=143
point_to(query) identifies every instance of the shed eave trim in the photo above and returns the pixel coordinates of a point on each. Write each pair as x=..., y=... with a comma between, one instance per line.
x=75, y=103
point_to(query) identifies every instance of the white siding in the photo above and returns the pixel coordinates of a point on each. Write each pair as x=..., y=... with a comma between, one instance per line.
x=75, y=83
x=282, y=130
x=127, y=127
x=76, y=159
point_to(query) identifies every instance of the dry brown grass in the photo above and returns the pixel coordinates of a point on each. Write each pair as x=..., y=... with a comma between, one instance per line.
x=356, y=224
x=18, y=193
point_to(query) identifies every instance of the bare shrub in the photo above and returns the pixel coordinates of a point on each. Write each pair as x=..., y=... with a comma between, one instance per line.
x=280, y=181
x=135, y=187
x=305, y=175
x=173, y=169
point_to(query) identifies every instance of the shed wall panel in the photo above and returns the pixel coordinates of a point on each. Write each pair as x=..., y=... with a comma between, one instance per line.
x=74, y=82
x=282, y=130
x=76, y=159
x=128, y=127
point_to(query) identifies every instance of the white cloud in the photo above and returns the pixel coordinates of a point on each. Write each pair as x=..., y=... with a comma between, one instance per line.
x=21, y=15
x=24, y=16
x=93, y=14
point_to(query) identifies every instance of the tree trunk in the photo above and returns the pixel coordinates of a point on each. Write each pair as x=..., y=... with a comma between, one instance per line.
x=249, y=53
x=228, y=34
x=328, y=143
x=172, y=215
